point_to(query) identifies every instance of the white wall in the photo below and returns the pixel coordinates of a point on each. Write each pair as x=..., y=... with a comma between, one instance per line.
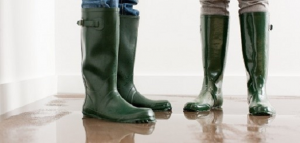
x=27, y=53
x=169, y=53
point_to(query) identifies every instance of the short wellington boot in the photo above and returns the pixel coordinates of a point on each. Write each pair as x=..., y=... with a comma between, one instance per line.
x=100, y=41
x=214, y=32
x=255, y=42
x=127, y=48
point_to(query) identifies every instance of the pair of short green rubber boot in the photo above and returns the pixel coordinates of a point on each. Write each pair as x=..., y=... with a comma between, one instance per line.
x=108, y=43
x=255, y=35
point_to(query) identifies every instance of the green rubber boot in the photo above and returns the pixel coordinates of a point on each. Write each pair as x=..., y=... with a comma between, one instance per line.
x=127, y=48
x=255, y=42
x=214, y=31
x=100, y=41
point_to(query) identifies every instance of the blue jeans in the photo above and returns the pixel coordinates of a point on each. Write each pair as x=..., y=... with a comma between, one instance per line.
x=126, y=6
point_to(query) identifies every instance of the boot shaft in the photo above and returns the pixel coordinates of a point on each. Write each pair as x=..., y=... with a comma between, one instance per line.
x=255, y=44
x=100, y=41
x=214, y=37
x=127, y=48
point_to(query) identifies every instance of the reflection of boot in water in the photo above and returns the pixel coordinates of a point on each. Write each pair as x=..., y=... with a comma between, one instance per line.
x=196, y=115
x=211, y=123
x=98, y=131
x=256, y=126
x=163, y=115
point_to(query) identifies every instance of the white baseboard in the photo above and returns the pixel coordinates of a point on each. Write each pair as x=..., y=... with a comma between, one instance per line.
x=189, y=85
x=17, y=94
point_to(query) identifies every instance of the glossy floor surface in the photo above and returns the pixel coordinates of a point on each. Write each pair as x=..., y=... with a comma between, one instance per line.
x=59, y=119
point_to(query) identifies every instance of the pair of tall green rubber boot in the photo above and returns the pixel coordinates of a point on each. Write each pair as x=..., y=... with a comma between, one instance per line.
x=108, y=54
x=255, y=35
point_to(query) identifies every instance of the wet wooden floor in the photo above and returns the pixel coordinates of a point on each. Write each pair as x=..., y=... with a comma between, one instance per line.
x=58, y=119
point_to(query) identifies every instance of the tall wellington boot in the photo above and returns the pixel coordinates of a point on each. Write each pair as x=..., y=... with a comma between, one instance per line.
x=255, y=43
x=214, y=31
x=100, y=41
x=127, y=48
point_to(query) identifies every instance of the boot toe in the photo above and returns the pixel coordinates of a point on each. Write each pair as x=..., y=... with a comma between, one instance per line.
x=261, y=110
x=143, y=115
x=162, y=105
x=196, y=107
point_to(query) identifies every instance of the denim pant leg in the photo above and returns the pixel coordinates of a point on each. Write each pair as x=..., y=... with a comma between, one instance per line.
x=253, y=6
x=99, y=3
x=214, y=7
x=126, y=7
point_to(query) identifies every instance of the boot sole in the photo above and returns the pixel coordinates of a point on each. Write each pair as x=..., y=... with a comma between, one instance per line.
x=209, y=108
x=96, y=115
x=213, y=108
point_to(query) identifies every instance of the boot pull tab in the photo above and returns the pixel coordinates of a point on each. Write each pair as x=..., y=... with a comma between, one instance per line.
x=96, y=23
x=271, y=27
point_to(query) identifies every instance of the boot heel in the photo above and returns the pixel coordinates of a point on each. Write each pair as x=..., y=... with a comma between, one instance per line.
x=218, y=102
